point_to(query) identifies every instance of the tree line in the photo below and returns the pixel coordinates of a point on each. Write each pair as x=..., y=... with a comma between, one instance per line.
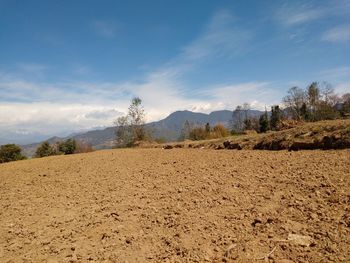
x=316, y=102
x=12, y=152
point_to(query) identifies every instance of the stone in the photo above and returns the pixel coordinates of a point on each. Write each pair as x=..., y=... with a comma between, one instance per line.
x=300, y=240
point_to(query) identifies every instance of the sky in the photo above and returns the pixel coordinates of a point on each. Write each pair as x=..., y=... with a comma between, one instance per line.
x=71, y=66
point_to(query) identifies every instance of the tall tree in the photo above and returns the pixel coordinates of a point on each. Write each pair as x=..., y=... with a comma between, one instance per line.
x=130, y=128
x=294, y=101
x=185, y=131
x=275, y=117
x=313, y=95
x=264, y=122
x=238, y=119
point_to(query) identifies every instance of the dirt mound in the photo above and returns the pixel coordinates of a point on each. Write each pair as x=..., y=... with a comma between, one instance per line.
x=178, y=205
x=323, y=135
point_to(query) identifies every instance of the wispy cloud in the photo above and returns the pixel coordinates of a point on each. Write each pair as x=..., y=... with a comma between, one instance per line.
x=81, y=70
x=106, y=28
x=336, y=73
x=343, y=87
x=32, y=68
x=291, y=14
x=338, y=34
x=221, y=37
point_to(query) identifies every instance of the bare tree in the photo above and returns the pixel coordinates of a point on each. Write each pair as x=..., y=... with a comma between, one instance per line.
x=313, y=96
x=130, y=128
x=295, y=101
x=238, y=119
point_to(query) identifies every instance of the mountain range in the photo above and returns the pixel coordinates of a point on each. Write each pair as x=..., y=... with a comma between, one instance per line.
x=168, y=129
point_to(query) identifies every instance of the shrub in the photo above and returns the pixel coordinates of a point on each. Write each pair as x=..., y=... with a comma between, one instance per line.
x=197, y=134
x=10, y=152
x=219, y=131
x=44, y=150
x=203, y=133
x=67, y=147
x=83, y=147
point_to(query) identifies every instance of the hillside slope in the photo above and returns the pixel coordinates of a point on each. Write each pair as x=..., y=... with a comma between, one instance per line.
x=168, y=129
x=332, y=134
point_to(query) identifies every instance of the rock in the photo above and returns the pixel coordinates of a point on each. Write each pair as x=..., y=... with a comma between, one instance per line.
x=219, y=147
x=256, y=221
x=231, y=145
x=300, y=240
x=167, y=147
x=302, y=145
x=250, y=132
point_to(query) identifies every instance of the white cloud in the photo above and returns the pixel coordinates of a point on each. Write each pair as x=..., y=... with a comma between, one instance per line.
x=54, y=118
x=342, y=87
x=105, y=28
x=337, y=34
x=55, y=108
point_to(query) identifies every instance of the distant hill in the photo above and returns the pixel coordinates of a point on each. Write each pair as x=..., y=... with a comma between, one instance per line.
x=168, y=129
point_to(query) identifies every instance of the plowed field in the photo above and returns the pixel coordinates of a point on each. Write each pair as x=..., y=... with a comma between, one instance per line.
x=178, y=205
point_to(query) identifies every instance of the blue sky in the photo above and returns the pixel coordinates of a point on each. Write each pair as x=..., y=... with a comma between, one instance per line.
x=68, y=66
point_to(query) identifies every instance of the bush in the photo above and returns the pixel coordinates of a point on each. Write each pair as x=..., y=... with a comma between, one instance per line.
x=197, y=134
x=83, y=147
x=10, y=152
x=200, y=133
x=44, y=150
x=219, y=131
x=67, y=147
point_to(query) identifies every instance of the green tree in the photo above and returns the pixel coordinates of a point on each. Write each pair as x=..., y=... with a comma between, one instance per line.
x=10, y=152
x=45, y=149
x=275, y=117
x=67, y=147
x=264, y=122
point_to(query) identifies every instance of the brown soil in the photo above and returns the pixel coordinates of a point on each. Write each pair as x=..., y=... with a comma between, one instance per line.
x=179, y=205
